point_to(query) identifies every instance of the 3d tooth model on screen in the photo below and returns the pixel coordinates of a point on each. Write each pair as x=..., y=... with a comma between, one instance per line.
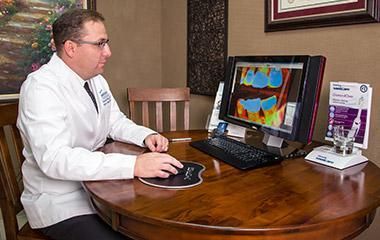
x=270, y=86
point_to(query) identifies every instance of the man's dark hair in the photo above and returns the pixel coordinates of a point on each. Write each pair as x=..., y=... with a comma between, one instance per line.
x=69, y=26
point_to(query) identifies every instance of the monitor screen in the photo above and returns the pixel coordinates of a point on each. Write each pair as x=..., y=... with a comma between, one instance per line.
x=269, y=93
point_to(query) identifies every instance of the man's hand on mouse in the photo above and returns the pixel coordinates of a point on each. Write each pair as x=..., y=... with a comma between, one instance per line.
x=155, y=164
x=157, y=143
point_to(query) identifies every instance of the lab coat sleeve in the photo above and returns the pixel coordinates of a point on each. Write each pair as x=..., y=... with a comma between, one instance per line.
x=125, y=130
x=46, y=129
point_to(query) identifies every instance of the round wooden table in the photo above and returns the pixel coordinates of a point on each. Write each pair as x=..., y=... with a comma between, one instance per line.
x=296, y=199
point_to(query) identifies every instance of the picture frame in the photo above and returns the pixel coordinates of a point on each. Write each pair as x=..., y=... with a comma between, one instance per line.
x=25, y=39
x=283, y=15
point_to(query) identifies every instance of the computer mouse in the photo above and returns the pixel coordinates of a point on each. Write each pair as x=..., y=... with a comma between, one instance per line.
x=180, y=171
x=190, y=176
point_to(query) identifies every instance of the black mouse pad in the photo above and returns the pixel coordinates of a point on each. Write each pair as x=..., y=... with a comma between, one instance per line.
x=188, y=176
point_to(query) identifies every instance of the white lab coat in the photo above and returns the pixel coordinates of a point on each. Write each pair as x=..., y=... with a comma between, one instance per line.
x=61, y=130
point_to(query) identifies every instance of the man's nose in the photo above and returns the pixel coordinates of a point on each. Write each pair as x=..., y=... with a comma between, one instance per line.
x=107, y=50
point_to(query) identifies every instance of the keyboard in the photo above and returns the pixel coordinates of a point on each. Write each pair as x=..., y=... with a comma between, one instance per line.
x=235, y=153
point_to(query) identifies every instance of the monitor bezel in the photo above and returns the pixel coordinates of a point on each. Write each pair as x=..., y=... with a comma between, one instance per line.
x=230, y=72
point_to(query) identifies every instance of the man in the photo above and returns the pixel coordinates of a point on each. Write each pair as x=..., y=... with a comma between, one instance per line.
x=66, y=112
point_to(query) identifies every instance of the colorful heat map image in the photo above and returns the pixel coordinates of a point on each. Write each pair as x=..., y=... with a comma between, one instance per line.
x=260, y=94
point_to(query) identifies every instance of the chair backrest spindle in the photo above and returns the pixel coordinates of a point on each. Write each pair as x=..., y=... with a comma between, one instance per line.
x=159, y=96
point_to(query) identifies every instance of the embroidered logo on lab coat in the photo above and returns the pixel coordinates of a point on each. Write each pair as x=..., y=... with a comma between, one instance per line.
x=106, y=97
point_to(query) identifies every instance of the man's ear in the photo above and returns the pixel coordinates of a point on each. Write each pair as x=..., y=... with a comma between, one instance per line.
x=69, y=47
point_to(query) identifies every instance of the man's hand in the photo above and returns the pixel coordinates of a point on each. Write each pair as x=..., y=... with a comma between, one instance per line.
x=157, y=143
x=156, y=165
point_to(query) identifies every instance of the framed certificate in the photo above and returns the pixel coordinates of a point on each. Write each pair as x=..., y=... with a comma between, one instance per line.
x=298, y=14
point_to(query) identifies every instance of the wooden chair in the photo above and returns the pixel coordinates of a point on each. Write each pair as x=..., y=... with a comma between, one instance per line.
x=158, y=96
x=10, y=175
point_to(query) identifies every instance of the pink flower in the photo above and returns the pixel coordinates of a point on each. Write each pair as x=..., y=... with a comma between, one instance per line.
x=35, y=66
x=59, y=10
x=52, y=45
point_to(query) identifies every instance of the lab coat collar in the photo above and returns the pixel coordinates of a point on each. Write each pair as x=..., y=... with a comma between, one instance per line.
x=72, y=80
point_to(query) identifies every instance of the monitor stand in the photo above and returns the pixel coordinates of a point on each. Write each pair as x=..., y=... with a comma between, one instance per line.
x=273, y=141
x=274, y=144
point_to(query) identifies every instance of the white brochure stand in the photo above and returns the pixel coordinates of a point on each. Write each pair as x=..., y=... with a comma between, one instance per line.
x=233, y=130
x=349, y=107
x=326, y=155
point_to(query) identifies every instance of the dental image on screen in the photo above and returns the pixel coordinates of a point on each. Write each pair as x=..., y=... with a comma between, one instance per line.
x=266, y=94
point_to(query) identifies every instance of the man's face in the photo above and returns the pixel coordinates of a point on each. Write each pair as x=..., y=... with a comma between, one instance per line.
x=90, y=59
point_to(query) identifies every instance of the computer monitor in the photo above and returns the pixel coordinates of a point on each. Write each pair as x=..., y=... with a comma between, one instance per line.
x=277, y=95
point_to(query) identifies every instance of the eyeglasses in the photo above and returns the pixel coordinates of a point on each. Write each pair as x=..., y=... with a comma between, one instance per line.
x=101, y=43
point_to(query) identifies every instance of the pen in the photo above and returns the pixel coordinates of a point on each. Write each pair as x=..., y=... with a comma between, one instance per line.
x=180, y=139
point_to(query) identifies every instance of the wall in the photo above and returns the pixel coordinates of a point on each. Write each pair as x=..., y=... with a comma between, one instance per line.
x=134, y=29
x=152, y=35
x=174, y=43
